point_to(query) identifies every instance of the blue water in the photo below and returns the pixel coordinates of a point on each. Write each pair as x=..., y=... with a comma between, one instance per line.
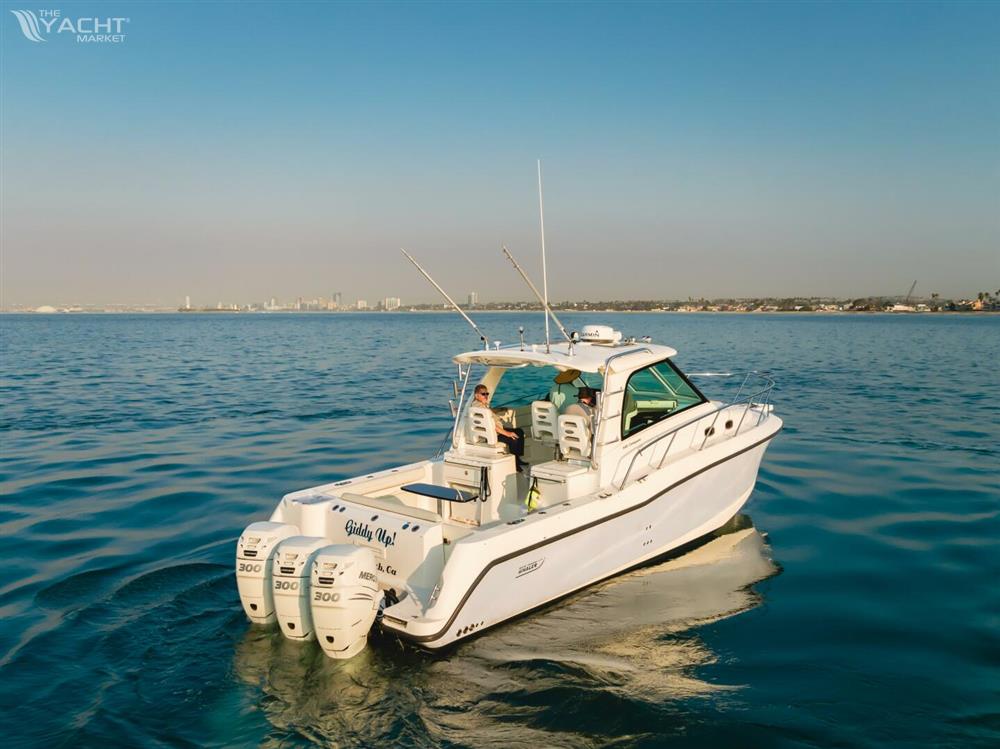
x=861, y=608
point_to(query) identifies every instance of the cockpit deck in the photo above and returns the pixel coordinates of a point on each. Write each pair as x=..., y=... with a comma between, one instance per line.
x=473, y=492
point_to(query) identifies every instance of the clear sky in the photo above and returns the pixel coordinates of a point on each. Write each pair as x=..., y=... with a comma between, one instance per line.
x=241, y=151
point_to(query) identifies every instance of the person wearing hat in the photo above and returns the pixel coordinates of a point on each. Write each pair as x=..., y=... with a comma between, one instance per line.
x=513, y=438
x=585, y=406
x=561, y=393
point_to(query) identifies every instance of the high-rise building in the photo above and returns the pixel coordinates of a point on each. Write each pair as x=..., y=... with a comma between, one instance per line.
x=473, y=298
x=187, y=302
x=362, y=304
x=338, y=300
x=390, y=303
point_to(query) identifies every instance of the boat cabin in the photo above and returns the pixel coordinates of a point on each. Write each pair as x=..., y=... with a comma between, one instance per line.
x=533, y=388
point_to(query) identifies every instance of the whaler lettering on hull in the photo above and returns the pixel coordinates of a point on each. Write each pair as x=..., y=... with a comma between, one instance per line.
x=529, y=567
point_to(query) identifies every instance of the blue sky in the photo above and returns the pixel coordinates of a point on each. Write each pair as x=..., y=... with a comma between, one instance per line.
x=239, y=151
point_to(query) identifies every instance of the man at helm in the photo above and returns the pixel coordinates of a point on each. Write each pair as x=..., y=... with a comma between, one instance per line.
x=585, y=405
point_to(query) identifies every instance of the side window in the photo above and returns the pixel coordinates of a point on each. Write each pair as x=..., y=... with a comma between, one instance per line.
x=654, y=393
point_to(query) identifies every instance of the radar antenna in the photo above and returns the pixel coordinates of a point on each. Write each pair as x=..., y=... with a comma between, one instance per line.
x=482, y=336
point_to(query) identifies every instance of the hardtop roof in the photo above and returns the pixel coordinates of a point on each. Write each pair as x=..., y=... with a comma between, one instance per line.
x=586, y=357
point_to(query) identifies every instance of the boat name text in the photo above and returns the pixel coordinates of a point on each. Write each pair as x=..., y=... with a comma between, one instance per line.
x=384, y=537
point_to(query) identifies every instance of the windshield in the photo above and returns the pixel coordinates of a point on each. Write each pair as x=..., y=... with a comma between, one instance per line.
x=653, y=394
x=520, y=386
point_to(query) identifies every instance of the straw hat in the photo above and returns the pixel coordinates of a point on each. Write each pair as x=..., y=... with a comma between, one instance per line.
x=567, y=376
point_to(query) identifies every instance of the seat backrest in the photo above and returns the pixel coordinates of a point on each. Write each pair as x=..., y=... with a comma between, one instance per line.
x=544, y=426
x=479, y=427
x=574, y=436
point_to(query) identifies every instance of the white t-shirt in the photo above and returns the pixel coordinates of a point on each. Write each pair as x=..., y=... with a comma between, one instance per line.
x=584, y=410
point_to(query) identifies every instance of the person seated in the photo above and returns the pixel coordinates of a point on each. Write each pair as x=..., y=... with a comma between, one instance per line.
x=513, y=438
x=561, y=393
x=585, y=406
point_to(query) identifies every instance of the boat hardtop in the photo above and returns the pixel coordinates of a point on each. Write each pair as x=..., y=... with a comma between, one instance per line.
x=585, y=357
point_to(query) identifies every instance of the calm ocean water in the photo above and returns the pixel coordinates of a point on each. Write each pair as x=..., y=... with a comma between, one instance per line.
x=860, y=608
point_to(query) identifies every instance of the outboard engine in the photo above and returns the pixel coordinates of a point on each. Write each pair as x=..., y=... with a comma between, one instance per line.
x=254, y=559
x=291, y=585
x=345, y=598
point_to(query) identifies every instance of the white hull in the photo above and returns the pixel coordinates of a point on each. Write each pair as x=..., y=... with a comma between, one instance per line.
x=651, y=518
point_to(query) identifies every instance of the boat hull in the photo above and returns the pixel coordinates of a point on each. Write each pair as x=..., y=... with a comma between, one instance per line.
x=650, y=518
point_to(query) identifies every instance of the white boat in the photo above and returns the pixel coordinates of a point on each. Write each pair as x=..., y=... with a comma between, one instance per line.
x=445, y=548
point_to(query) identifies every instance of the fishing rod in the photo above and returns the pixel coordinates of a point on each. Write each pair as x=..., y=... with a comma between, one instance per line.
x=482, y=336
x=545, y=304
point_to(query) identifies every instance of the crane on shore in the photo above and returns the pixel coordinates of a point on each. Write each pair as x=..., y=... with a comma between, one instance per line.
x=904, y=306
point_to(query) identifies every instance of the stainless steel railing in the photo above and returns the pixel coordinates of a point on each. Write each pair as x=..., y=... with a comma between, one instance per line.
x=755, y=399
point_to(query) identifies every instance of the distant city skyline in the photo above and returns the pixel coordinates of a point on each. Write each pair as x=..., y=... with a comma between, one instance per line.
x=470, y=299
x=912, y=301
x=689, y=149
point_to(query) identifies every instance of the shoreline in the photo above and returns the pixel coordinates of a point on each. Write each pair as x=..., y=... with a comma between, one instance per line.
x=61, y=313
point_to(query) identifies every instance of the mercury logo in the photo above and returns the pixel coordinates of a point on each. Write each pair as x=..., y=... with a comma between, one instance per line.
x=39, y=27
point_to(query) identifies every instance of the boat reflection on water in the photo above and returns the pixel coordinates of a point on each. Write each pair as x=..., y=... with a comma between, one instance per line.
x=630, y=637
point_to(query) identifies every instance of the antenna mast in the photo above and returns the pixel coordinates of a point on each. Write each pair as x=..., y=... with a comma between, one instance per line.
x=545, y=304
x=482, y=336
x=545, y=279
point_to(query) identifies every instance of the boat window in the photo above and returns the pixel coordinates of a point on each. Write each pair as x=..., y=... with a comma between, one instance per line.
x=520, y=386
x=654, y=393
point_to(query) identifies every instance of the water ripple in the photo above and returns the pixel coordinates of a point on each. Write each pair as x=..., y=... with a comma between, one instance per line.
x=135, y=448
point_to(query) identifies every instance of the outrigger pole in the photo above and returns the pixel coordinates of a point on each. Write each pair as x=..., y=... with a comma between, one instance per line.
x=545, y=278
x=545, y=304
x=482, y=336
